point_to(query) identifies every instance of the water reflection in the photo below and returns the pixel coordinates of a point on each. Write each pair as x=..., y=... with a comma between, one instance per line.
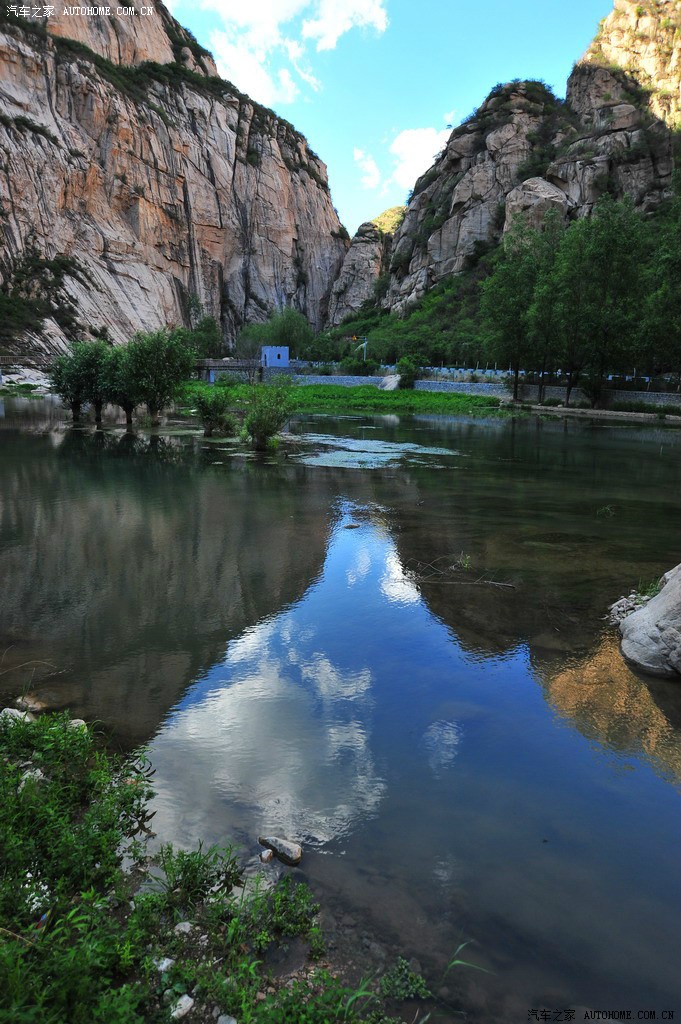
x=467, y=758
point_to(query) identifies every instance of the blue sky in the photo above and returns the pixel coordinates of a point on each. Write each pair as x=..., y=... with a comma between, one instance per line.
x=374, y=83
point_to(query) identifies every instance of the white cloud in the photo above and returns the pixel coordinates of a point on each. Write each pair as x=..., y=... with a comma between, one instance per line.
x=262, y=47
x=414, y=151
x=250, y=70
x=371, y=176
x=334, y=19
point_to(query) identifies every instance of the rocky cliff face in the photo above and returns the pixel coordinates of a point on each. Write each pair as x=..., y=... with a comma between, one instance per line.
x=644, y=39
x=524, y=151
x=367, y=260
x=152, y=184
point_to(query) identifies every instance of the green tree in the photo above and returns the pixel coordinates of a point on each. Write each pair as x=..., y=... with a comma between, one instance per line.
x=599, y=289
x=290, y=328
x=158, y=363
x=77, y=377
x=119, y=386
x=543, y=311
x=94, y=356
x=663, y=310
x=507, y=296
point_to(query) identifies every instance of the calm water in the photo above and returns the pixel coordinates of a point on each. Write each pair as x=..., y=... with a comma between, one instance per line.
x=461, y=760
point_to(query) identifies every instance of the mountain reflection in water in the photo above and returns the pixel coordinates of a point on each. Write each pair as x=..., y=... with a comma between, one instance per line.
x=459, y=760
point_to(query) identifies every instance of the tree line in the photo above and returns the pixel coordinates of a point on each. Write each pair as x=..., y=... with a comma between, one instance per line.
x=594, y=296
x=147, y=371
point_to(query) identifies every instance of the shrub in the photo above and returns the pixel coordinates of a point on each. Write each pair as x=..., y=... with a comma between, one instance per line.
x=212, y=407
x=352, y=366
x=408, y=371
x=271, y=406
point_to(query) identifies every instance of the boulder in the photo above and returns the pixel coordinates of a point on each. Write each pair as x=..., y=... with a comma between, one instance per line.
x=651, y=636
x=286, y=851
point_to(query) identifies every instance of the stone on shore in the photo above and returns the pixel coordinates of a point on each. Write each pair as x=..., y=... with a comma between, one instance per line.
x=651, y=636
x=283, y=849
x=182, y=1007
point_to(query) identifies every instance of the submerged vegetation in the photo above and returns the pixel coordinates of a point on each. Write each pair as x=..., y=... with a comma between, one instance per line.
x=85, y=941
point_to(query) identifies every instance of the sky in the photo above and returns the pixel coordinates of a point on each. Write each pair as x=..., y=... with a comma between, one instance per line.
x=374, y=84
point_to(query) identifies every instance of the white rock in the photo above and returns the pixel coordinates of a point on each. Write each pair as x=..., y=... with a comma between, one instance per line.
x=33, y=775
x=15, y=714
x=77, y=723
x=266, y=856
x=284, y=849
x=164, y=965
x=182, y=1007
x=226, y=1019
x=183, y=928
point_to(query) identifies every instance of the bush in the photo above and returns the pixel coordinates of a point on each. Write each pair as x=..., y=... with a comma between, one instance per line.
x=212, y=407
x=408, y=371
x=352, y=366
x=271, y=406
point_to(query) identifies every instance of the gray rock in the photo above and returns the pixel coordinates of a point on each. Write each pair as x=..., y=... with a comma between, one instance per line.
x=164, y=965
x=77, y=723
x=15, y=715
x=226, y=1019
x=285, y=850
x=266, y=856
x=651, y=636
x=183, y=928
x=182, y=1007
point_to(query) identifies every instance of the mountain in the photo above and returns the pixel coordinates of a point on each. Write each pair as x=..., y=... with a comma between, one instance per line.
x=526, y=151
x=365, y=266
x=137, y=183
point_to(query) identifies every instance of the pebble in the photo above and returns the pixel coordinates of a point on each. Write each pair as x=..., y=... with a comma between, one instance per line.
x=266, y=856
x=226, y=1019
x=183, y=928
x=77, y=723
x=164, y=965
x=182, y=1007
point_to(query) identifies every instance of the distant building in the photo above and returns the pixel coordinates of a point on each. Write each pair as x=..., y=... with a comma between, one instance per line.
x=273, y=355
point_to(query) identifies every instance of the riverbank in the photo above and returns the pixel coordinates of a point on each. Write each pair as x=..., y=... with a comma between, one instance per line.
x=95, y=930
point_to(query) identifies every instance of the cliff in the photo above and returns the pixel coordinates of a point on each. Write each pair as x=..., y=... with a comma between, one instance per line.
x=366, y=263
x=526, y=151
x=126, y=190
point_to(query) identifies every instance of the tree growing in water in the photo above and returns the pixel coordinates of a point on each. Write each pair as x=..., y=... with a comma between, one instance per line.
x=119, y=385
x=158, y=363
x=76, y=376
x=271, y=407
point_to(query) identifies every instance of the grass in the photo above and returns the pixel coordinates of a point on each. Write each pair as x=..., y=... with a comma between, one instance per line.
x=333, y=398
x=82, y=940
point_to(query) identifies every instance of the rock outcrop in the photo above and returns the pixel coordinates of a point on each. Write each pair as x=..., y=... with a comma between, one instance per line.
x=145, y=186
x=367, y=259
x=133, y=39
x=526, y=152
x=651, y=636
x=644, y=40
